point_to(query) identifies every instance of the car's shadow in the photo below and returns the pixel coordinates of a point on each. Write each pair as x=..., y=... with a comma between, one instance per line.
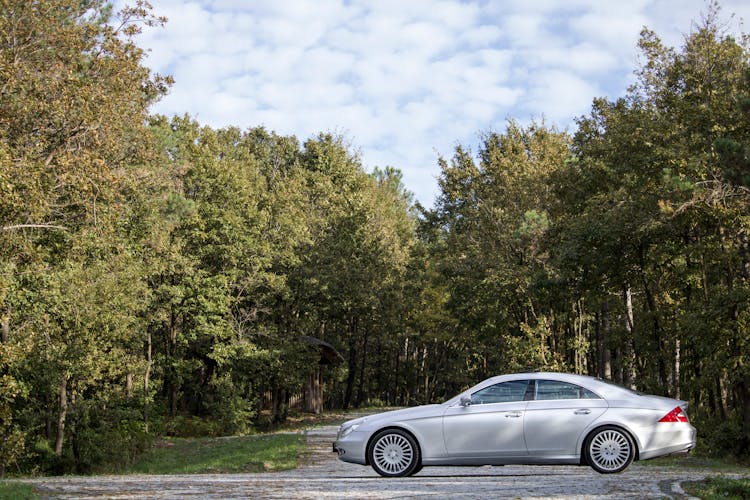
x=451, y=476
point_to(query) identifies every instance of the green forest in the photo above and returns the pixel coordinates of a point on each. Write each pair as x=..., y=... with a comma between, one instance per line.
x=158, y=275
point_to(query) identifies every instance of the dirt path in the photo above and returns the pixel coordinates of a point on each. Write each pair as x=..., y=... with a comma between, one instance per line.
x=322, y=475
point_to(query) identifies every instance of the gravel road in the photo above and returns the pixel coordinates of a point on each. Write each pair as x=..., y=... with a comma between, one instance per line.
x=322, y=475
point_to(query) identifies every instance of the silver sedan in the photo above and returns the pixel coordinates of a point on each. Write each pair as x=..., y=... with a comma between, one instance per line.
x=524, y=418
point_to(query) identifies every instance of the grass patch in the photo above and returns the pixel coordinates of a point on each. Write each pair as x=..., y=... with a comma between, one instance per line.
x=270, y=452
x=259, y=453
x=697, y=462
x=715, y=488
x=19, y=491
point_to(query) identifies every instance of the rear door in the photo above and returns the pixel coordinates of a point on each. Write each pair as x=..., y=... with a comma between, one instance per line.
x=557, y=416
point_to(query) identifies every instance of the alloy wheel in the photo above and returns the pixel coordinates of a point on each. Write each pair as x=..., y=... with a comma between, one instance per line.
x=609, y=450
x=394, y=453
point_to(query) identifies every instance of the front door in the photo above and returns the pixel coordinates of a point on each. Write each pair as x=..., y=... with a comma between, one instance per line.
x=491, y=426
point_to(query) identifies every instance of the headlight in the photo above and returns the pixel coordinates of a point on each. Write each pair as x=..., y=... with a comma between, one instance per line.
x=346, y=430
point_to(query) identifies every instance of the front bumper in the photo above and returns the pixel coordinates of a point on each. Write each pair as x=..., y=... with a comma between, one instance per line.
x=352, y=448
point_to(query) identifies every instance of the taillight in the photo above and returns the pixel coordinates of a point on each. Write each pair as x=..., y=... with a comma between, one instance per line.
x=676, y=415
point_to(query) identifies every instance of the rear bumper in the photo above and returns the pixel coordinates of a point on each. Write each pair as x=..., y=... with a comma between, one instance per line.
x=679, y=438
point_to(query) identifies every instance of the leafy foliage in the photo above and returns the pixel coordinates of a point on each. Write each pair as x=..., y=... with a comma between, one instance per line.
x=159, y=277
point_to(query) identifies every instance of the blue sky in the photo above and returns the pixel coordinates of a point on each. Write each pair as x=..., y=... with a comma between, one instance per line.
x=404, y=81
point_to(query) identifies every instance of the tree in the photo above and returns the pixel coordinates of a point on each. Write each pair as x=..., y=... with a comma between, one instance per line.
x=656, y=218
x=73, y=104
x=495, y=215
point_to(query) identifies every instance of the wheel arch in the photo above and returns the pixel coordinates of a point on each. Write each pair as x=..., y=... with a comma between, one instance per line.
x=391, y=427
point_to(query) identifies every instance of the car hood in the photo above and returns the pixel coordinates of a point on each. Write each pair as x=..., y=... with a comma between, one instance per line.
x=405, y=414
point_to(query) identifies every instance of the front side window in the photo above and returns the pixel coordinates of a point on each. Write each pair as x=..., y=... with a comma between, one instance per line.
x=504, y=392
x=554, y=389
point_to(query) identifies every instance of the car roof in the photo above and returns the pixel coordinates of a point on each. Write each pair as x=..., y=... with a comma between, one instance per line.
x=603, y=388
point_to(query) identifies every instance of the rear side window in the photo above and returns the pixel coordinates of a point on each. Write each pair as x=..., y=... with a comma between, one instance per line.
x=554, y=389
x=504, y=392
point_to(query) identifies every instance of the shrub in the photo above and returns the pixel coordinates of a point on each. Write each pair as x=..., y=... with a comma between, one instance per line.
x=729, y=437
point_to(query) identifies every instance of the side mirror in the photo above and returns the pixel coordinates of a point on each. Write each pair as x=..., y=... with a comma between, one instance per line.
x=465, y=401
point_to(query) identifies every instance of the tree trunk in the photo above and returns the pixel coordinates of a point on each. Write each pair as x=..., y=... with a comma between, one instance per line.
x=73, y=432
x=129, y=385
x=313, y=397
x=62, y=416
x=697, y=399
x=5, y=329
x=352, y=375
x=745, y=401
x=580, y=347
x=676, y=369
x=49, y=420
x=629, y=361
x=146, y=381
x=361, y=396
x=171, y=370
x=418, y=372
x=744, y=247
x=425, y=376
x=280, y=406
x=396, y=387
x=617, y=365
x=659, y=344
x=605, y=356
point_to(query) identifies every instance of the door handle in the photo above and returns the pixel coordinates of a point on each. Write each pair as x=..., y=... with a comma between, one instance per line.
x=513, y=414
x=582, y=412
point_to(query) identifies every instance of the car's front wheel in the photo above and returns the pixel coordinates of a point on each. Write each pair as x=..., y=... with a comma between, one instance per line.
x=609, y=450
x=394, y=453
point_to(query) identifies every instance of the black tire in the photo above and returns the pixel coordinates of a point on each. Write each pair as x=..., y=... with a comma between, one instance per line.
x=394, y=453
x=609, y=450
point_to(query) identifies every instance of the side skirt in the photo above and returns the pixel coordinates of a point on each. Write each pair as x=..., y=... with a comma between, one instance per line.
x=478, y=461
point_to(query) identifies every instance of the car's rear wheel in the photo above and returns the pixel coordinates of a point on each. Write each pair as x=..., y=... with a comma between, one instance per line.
x=394, y=453
x=609, y=450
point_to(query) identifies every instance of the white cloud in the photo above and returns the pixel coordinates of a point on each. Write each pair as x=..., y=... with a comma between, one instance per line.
x=405, y=81
x=560, y=95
